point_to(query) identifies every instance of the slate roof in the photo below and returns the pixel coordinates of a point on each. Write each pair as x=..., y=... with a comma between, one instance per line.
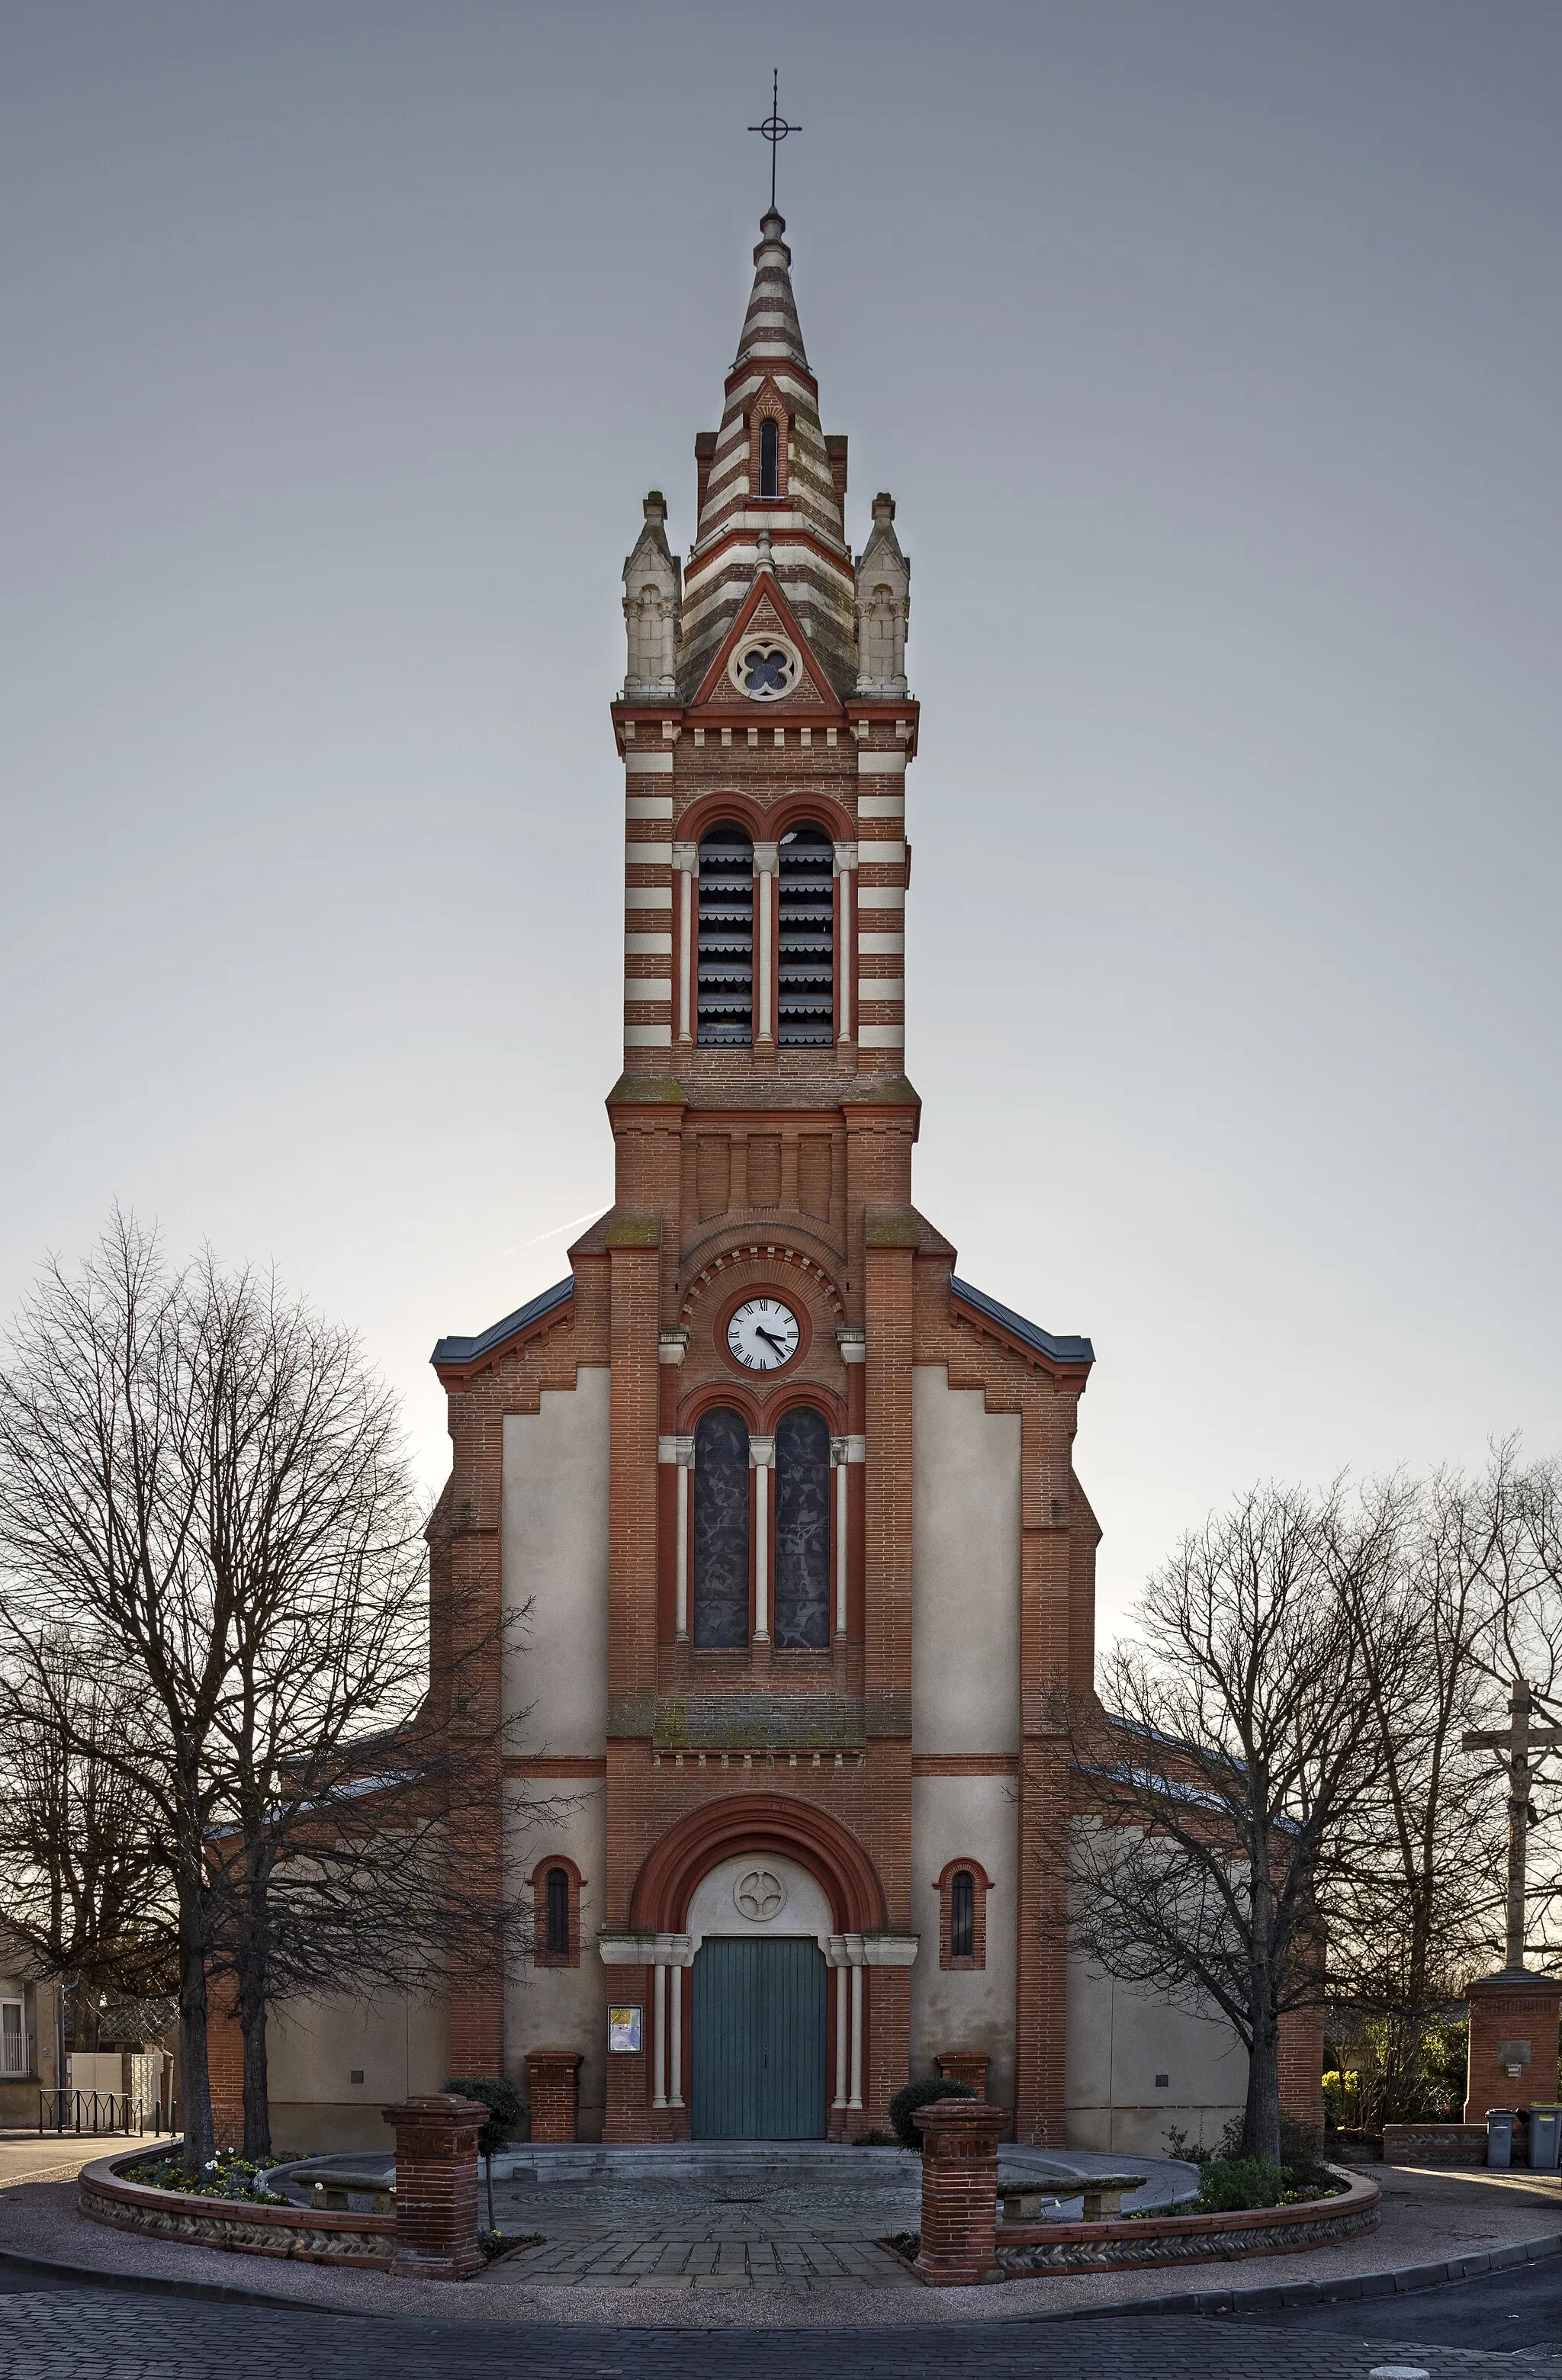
x=1062, y=1351
x=467, y=1351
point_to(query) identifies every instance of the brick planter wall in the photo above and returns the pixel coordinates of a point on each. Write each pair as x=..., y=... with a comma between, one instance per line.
x=555, y=2093
x=959, y=2190
x=1435, y=2143
x=435, y=2216
x=105, y=2196
x=1025, y=2249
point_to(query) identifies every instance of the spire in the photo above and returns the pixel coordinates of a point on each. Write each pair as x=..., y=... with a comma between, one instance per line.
x=771, y=470
x=772, y=334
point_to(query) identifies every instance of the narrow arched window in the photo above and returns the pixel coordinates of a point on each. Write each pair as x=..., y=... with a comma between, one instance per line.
x=770, y=458
x=726, y=940
x=721, y=1529
x=962, y=1915
x=806, y=939
x=557, y=1931
x=802, y=1531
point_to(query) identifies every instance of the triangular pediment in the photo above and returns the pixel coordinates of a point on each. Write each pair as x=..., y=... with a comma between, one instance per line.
x=764, y=609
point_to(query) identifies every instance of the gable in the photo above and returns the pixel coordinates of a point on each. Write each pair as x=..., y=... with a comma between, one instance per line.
x=765, y=611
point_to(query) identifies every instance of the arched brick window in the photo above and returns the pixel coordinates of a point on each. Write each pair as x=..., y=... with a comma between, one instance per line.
x=556, y=1912
x=962, y=1915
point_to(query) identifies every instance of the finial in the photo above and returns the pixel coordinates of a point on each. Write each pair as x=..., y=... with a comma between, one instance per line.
x=775, y=129
x=883, y=505
x=762, y=548
x=655, y=505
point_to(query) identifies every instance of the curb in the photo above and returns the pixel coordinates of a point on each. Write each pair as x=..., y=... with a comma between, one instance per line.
x=1399, y=2282
x=1402, y=2282
x=96, y=2276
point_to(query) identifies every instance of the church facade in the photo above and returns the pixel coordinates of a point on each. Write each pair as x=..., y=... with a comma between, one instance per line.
x=789, y=1504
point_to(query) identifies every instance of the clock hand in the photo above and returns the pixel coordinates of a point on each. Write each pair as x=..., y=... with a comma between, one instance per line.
x=761, y=1332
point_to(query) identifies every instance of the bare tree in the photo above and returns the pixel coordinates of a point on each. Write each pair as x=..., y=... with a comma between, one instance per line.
x=85, y=1887
x=1415, y=1920
x=1225, y=1774
x=100, y=1497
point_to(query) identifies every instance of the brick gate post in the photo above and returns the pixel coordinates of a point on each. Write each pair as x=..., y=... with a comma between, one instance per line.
x=436, y=2186
x=556, y=2092
x=959, y=2190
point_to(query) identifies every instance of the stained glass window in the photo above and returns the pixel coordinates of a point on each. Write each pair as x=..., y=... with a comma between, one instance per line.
x=802, y=1531
x=721, y=1529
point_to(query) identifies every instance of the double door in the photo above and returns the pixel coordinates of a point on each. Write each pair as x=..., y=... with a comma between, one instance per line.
x=757, y=2015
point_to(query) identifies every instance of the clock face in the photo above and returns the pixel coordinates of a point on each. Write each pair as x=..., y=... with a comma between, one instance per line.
x=762, y=1334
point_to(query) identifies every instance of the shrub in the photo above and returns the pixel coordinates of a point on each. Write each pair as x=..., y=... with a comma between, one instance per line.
x=1227, y=2185
x=921, y=2094
x=505, y=2105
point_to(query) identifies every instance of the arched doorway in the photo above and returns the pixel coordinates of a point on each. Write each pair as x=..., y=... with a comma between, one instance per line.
x=759, y=2003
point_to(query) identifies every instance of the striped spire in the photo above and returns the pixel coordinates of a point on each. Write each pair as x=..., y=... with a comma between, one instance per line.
x=772, y=334
x=802, y=521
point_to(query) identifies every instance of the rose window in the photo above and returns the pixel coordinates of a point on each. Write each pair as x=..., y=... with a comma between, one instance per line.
x=765, y=669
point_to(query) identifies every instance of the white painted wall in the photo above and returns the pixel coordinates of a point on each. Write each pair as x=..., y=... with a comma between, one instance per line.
x=965, y=1570
x=965, y=1817
x=553, y=1549
x=1120, y=2037
x=561, y=2008
x=314, y=2048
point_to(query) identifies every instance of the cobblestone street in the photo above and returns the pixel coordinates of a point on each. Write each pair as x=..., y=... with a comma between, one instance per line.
x=70, y=2335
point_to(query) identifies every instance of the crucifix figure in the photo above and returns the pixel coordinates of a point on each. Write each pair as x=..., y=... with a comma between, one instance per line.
x=775, y=129
x=1514, y=1746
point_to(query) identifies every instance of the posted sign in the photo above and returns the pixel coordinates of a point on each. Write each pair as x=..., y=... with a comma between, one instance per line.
x=624, y=2028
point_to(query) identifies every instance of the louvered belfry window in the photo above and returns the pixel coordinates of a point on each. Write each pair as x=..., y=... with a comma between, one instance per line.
x=806, y=939
x=726, y=940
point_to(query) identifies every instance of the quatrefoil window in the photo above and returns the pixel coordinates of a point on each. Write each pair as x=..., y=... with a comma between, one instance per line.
x=765, y=668
x=760, y=1895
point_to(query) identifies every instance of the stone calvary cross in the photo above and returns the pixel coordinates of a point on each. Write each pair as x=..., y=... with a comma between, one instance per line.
x=1516, y=1745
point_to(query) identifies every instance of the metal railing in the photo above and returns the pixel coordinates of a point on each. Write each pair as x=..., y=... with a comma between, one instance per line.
x=96, y=2112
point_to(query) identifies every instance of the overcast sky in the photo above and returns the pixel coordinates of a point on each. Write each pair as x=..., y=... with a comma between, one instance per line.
x=1211, y=355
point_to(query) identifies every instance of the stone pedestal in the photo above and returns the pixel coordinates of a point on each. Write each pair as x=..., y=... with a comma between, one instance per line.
x=436, y=2186
x=555, y=2093
x=965, y=2065
x=959, y=2190
x=1513, y=2017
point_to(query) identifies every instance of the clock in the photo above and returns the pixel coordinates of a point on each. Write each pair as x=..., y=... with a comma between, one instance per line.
x=762, y=1334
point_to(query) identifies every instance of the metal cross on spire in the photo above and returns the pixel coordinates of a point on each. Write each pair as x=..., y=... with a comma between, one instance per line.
x=775, y=129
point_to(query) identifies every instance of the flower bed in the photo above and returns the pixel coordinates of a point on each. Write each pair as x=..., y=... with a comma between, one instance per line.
x=213, y=2216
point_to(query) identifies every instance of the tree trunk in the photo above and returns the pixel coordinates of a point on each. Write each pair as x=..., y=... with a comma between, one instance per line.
x=257, y=2103
x=195, y=2086
x=1260, y=2119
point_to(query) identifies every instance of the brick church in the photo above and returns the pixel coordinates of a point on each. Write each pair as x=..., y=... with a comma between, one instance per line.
x=791, y=1504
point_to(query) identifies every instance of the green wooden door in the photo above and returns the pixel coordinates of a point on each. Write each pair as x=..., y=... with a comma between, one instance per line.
x=757, y=2015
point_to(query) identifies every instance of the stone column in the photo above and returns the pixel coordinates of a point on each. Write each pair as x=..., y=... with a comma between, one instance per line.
x=1513, y=2021
x=959, y=2191
x=686, y=878
x=762, y=1457
x=555, y=2093
x=436, y=2186
x=766, y=860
